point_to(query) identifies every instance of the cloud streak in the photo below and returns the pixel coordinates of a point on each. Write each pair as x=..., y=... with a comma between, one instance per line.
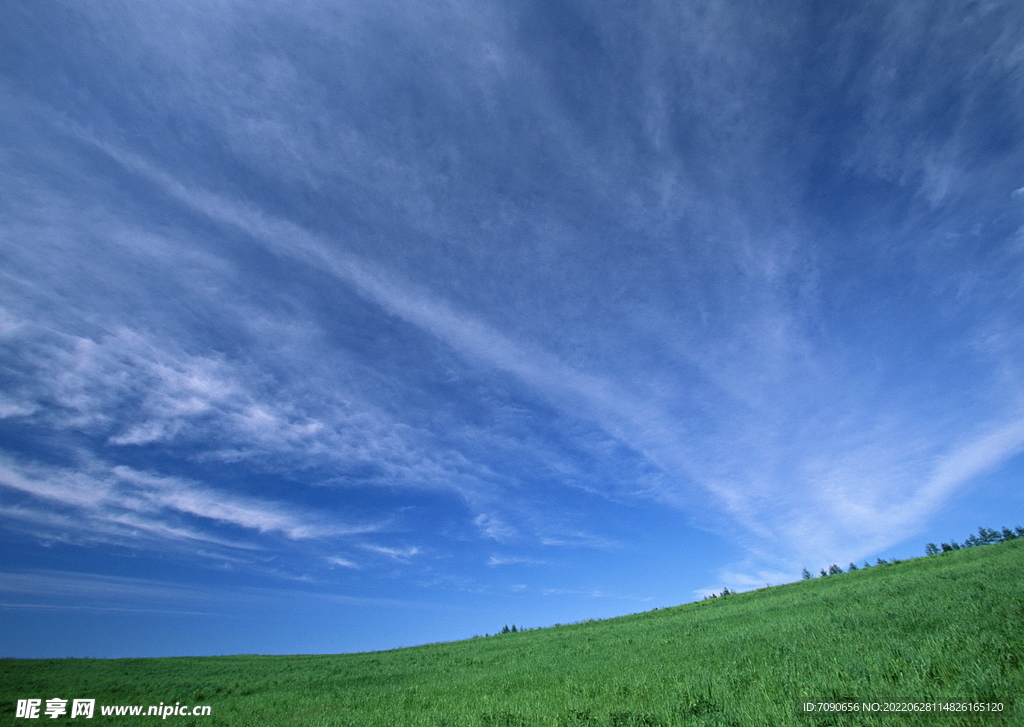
x=132, y=507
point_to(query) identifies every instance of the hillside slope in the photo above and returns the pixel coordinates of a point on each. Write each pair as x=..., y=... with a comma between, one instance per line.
x=943, y=629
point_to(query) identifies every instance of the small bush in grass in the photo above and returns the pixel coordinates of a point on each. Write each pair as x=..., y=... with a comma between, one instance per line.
x=986, y=536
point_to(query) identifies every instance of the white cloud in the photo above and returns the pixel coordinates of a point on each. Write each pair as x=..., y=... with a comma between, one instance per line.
x=11, y=408
x=341, y=562
x=189, y=498
x=124, y=386
x=969, y=458
x=575, y=539
x=120, y=503
x=72, y=590
x=402, y=555
x=495, y=560
x=493, y=527
x=592, y=594
x=67, y=590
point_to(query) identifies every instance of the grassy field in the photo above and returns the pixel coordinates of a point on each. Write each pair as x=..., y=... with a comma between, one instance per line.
x=944, y=629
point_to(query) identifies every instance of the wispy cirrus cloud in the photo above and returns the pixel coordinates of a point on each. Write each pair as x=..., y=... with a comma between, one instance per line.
x=766, y=375
x=130, y=507
x=495, y=560
x=49, y=589
x=400, y=555
x=341, y=562
x=133, y=392
x=494, y=528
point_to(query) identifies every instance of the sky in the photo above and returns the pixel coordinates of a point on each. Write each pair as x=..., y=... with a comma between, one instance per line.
x=344, y=326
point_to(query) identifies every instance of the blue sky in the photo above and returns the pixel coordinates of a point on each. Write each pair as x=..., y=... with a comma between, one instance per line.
x=336, y=326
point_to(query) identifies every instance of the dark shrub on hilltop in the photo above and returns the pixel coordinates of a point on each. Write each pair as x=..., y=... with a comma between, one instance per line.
x=985, y=536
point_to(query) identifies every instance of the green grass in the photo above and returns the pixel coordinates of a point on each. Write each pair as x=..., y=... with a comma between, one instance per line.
x=947, y=628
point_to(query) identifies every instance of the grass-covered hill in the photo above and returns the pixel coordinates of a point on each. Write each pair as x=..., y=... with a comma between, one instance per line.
x=942, y=630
